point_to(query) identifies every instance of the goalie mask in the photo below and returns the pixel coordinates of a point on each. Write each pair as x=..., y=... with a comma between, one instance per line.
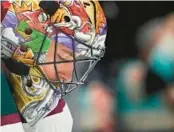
x=49, y=48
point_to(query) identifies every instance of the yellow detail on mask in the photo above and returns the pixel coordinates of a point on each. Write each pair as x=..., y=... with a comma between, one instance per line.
x=19, y=6
x=95, y=13
x=22, y=34
x=21, y=97
x=24, y=57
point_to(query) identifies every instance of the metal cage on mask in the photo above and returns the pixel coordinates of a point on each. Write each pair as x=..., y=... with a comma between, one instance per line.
x=82, y=65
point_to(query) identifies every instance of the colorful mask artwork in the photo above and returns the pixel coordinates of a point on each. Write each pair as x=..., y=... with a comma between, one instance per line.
x=59, y=49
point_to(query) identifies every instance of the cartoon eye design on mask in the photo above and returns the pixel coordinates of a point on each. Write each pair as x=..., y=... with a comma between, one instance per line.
x=34, y=86
x=42, y=17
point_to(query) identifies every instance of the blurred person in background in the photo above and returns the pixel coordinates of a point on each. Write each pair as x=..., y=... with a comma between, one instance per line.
x=169, y=97
x=155, y=41
x=100, y=106
x=138, y=112
x=95, y=113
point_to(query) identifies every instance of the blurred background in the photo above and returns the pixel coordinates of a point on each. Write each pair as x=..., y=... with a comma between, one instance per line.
x=132, y=88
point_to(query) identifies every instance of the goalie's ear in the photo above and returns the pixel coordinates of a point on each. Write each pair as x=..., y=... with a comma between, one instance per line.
x=49, y=7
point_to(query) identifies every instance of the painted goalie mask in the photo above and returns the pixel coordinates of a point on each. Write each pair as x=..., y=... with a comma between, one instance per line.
x=49, y=48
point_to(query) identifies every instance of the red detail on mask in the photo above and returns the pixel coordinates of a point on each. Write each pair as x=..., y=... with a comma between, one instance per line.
x=4, y=8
